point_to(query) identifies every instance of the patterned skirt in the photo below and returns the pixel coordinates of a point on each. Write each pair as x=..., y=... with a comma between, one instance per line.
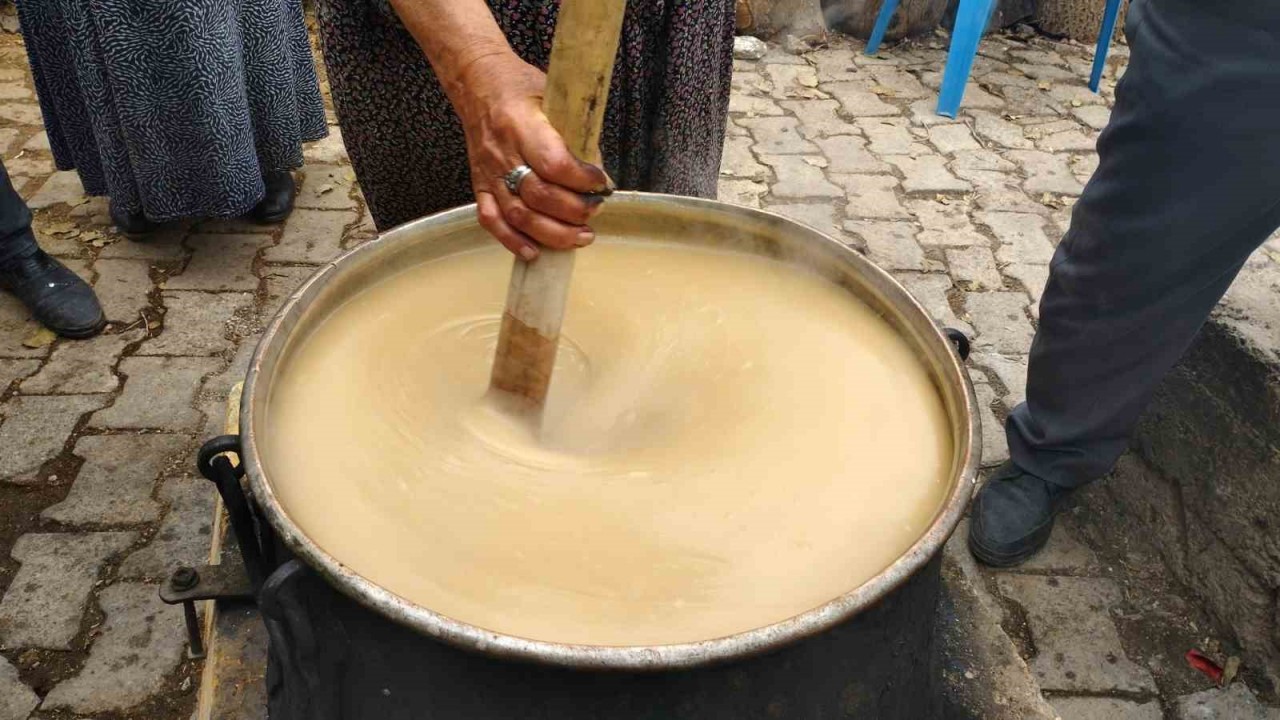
x=664, y=125
x=175, y=108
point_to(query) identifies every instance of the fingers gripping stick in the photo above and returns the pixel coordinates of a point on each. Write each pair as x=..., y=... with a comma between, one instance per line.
x=582, y=55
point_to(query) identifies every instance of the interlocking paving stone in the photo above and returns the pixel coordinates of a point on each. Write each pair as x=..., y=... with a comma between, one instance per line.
x=39, y=141
x=7, y=136
x=752, y=106
x=952, y=138
x=974, y=267
x=311, y=236
x=220, y=263
x=1063, y=554
x=798, y=178
x=871, y=196
x=945, y=224
x=282, y=281
x=1011, y=370
x=81, y=367
x=1095, y=116
x=196, y=323
x=890, y=244
x=35, y=429
x=1083, y=166
x=1069, y=140
x=741, y=192
x=1078, y=648
x=1033, y=278
x=326, y=187
x=898, y=83
x=20, y=113
x=16, y=326
x=931, y=291
x=46, y=600
x=122, y=288
x=16, y=699
x=11, y=370
x=857, y=100
x=849, y=154
x=818, y=118
x=819, y=216
x=778, y=136
x=158, y=394
x=330, y=150
x=115, y=484
x=163, y=244
x=184, y=534
x=739, y=162
x=219, y=386
x=1021, y=235
x=890, y=136
x=1001, y=320
x=1236, y=702
x=971, y=164
x=834, y=64
x=995, y=448
x=142, y=642
x=28, y=164
x=995, y=129
x=1100, y=708
x=1046, y=172
x=61, y=187
x=792, y=80
x=928, y=174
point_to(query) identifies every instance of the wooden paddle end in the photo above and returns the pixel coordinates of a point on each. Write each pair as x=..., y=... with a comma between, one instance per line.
x=522, y=369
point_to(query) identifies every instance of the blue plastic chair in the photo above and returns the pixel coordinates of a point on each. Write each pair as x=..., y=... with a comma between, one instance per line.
x=972, y=17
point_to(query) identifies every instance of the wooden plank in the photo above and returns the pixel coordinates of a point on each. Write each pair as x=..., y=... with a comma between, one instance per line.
x=233, y=684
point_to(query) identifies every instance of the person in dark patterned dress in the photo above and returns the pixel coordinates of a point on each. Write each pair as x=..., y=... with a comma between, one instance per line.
x=439, y=99
x=177, y=109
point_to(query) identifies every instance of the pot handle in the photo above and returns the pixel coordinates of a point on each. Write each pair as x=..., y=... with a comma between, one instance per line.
x=212, y=462
x=960, y=340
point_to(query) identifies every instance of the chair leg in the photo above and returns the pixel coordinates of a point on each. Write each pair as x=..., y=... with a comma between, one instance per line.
x=971, y=21
x=1105, y=34
x=882, y=26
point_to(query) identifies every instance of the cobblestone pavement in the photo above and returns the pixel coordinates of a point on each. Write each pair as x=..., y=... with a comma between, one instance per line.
x=97, y=499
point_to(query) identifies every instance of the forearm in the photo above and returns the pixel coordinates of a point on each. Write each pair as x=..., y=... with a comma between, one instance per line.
x=454, y=35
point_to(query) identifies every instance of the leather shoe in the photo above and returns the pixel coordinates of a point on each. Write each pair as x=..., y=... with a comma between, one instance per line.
x=131, y=223
x=277, y=201
x=54, y=295
x=1012, y=517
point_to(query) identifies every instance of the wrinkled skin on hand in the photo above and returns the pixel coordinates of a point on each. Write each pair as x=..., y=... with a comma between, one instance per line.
x=500, y=105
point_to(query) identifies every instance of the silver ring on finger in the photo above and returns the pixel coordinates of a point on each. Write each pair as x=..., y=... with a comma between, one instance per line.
x=513, y=179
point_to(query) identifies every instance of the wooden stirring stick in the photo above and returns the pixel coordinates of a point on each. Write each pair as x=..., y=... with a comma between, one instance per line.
x=582, y=54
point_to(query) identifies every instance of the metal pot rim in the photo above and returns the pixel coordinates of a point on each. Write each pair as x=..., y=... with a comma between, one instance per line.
x=626, y=658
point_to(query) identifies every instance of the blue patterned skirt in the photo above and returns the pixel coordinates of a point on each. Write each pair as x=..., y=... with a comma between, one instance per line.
x=174, y=107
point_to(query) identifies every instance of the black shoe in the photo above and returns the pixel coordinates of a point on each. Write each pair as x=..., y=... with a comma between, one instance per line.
x=277, y=201
x=1012, y=516
x=57, y=297
x=131, y=223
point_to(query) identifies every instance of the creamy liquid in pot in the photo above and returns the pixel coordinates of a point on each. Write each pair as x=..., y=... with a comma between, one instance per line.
x=729, y=442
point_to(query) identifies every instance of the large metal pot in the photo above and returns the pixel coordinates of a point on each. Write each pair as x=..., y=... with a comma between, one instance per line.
x=641, y=217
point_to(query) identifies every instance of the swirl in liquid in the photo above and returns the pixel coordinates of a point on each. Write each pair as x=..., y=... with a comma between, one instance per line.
x=729, y=442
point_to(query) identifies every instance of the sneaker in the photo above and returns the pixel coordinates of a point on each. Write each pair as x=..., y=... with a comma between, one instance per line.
x=1012, y=516
x=54, y=295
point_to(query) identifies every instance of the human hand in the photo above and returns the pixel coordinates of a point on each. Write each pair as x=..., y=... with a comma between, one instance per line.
x=500, y=104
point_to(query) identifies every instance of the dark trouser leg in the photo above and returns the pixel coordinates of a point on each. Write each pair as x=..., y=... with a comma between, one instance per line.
x=15, y=220
x=1187, y=187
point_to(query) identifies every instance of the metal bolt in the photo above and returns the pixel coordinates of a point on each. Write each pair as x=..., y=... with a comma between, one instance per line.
x=184, y=578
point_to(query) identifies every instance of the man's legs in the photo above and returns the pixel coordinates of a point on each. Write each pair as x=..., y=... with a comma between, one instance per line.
x=1188, y=185
x=15, y=221
x=57, y=297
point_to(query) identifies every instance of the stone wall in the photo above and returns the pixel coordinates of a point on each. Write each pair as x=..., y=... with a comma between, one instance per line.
x=1203, y=480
